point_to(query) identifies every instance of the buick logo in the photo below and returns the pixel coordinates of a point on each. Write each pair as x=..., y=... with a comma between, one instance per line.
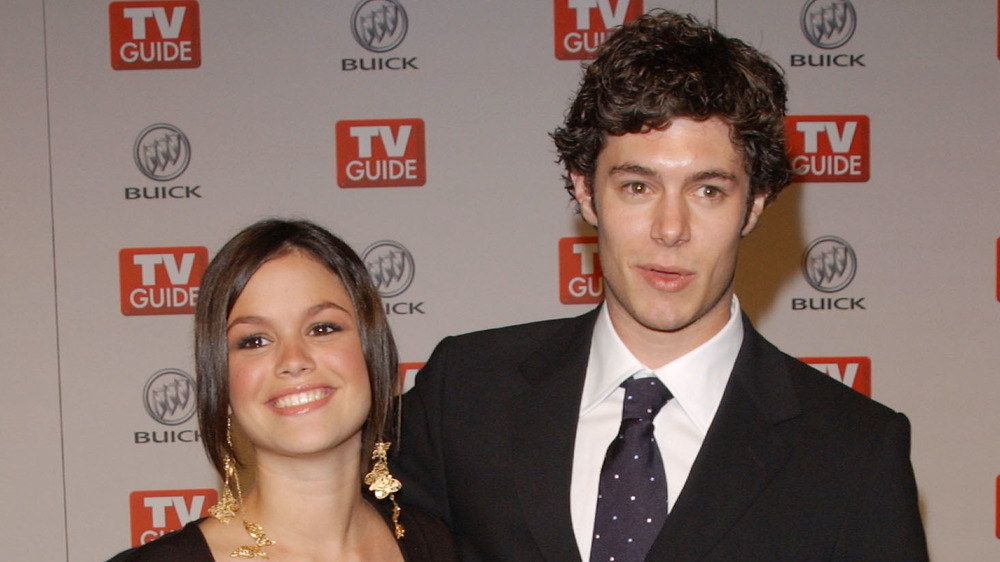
x=829, y=264
x=828, y=24
x=379, y=25
x=391, y=267
x=162, y=152
x=169, y=396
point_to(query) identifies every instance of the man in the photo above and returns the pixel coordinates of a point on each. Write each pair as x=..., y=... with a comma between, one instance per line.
x=673, y=148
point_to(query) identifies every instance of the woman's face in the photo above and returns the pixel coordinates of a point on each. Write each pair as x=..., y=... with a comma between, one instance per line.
x=298, y=384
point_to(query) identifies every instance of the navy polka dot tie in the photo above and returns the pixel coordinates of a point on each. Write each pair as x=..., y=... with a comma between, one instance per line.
x=632, y=498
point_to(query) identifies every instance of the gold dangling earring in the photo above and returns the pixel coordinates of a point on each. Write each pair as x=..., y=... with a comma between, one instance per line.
x=228, y=504
x=383, y=485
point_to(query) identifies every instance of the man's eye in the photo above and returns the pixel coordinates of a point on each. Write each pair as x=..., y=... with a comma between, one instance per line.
x=711, y=192
x=637, y=188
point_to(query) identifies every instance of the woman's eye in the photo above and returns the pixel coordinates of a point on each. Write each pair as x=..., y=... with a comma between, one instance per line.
x=252, y=342
x=324, y=329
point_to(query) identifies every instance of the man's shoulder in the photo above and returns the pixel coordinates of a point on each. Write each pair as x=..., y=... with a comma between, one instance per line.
x=519, y=337
x=818, y=392
x=821, y=394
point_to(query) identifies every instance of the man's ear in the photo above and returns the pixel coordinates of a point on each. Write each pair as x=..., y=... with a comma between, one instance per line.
x=585, y=198
x=753, y=214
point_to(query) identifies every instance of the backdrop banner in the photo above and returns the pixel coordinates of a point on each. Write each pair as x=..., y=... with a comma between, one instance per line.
x=138, y=136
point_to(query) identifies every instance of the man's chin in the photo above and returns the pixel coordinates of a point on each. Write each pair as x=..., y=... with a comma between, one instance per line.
x=667, y=325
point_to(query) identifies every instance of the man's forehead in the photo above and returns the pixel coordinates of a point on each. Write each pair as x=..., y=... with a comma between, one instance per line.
x=709, y=140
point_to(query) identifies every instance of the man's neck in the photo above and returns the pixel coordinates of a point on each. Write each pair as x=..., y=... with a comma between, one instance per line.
x=655, y=348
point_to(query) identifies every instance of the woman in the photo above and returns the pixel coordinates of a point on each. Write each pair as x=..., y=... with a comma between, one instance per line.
x=292, y=349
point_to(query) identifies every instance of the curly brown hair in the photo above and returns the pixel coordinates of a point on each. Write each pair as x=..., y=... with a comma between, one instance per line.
x=664, y=65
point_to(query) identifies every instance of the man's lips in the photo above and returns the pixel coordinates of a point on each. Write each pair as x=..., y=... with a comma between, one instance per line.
x=666, y=278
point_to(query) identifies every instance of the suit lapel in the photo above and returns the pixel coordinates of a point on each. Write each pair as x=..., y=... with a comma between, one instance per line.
x=740, y=454
x=544, y=432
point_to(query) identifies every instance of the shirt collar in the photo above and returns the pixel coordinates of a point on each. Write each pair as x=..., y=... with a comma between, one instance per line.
x=697, y=379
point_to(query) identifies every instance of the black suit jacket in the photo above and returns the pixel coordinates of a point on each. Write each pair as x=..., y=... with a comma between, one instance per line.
x=795, y=466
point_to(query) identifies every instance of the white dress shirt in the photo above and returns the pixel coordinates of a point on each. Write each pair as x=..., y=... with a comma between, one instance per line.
x=697, y=380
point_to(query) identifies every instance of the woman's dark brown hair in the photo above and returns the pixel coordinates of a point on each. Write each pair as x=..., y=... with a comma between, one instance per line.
x=224, y=280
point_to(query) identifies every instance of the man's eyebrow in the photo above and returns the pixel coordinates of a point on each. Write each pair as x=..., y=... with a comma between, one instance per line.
x=632, y=168
x=714, y=174
x=644, y=171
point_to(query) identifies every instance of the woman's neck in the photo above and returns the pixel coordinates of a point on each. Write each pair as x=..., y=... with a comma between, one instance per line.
x=312, y=501
x=312, y=507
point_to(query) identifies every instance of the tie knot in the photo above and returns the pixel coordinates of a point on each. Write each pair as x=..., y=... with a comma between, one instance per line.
x=644, y=398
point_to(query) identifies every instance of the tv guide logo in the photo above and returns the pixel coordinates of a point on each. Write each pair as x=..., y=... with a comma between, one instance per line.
x=855, y=372
x=154, y=514
x=156, y=281
x=381, y=153
x=154, y=35
x=582, y=25
x=829, y=148
x=580, y=277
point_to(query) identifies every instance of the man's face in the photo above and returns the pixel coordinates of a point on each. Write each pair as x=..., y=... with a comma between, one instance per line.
x=670, y=207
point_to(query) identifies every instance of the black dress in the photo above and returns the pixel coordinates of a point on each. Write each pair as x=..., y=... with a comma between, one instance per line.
x=426, y=540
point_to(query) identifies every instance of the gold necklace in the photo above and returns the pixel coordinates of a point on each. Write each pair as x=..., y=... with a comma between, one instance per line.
x=379, y=481
x=261, y=540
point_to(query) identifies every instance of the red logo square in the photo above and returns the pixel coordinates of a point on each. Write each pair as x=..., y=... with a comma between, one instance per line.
x=407, y=372
x=156, y=513
x=154, y=35
x=580, y=277
x=829, y=148
x=381, y=153
x=998, y=507
x=158, y=281
x=855, y=372
x=582, y=25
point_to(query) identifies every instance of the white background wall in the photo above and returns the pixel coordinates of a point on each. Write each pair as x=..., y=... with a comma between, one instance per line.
x=31, y=471
x=260, y=114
